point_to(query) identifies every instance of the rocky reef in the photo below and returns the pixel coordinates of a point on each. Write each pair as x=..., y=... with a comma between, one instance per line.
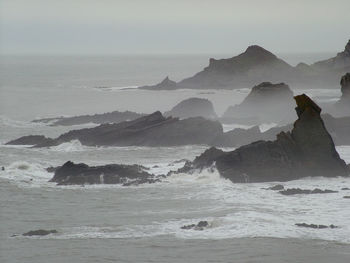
x=266, y=102
x=150, y=130
x=109, y=117
x=81, y=174
x=307, y=150
x=165, y=84
x=193, y=107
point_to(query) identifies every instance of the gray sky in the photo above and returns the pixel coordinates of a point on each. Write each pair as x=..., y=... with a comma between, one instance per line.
x=178, y=26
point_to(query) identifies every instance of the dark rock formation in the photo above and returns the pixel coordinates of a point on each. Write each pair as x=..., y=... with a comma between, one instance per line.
x=297, y=191
x=308, y=150
x=276, y=187
x=200, y=226
x=109, y=117
x=315, y=226
x=150, y=130
x=345, y=188
x=166, y=84
x=266, y=102
x=40, y=232
x=30, y=140
x=193, y=107
x=346, y=197
x=255, y=65
x=80, y=174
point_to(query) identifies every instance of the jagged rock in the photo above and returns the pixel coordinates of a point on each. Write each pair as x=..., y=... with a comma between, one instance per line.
x=80, y=174
x=315, y=226
x=166, y=84
x=30, y=140
x=308, y=150
x=193, y=107
x=40, y=232
x=266, y=102
x=296, y=191
x=345, y=188
x=109, y=117
x=347, y=196
x=200, y=226
x=150, y=130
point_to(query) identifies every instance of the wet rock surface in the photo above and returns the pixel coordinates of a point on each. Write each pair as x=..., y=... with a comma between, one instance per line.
x=81, y=174
x=297, y=191
x=200, y=226
x=308, y=150
x=314, y=226
x=40, y=232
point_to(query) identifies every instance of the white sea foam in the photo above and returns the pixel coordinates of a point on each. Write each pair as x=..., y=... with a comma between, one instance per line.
x=72, y=146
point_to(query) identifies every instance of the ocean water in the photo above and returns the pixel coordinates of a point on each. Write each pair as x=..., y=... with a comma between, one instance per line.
x=110, y=223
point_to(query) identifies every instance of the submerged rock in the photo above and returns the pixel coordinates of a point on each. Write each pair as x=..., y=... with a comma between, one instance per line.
x=200, y=226
x=80, y=174
x=109, y=117
x=276, y=187
x=40, y=232
x=193, y=107
x=296, y=191
x=165, y=84
x=315, y=226
x=308, y=150
x=265, y=103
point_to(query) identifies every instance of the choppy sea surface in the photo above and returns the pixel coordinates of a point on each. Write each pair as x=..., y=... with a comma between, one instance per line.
x=110, y=223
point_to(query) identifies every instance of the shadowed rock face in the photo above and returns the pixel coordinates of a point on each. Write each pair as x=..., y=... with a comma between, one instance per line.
x=308, y=150
x=109, y=117
x=193, y=107
x=80, y=174
x=166, y=84
x=266, y=102
x=150, y=130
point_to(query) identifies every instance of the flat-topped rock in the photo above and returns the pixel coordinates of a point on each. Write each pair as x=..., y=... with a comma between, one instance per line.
x=81, y=174
x=193, y=107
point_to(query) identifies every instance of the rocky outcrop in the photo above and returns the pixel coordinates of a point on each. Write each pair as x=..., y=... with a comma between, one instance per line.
x=266, y=102
x=255, y=65
x=30, y=140
x=193, y=107
x=109, y=117
x=165, y=84
x=81, y=174
x=150, y=130
x=315, y=226
x=200, y=226
x=308, y=150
